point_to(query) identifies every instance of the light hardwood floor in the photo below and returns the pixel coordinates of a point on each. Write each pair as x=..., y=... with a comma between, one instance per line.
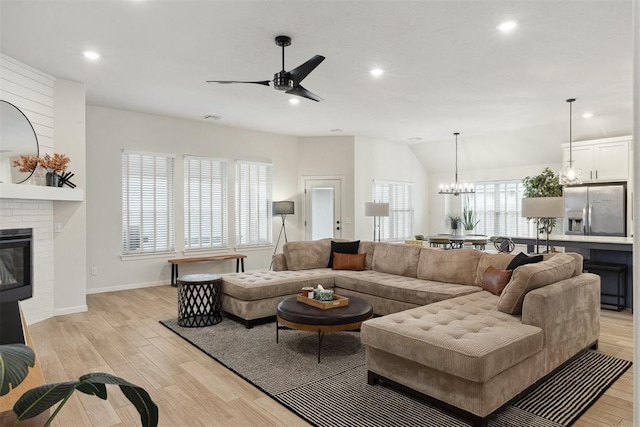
x=120, y=334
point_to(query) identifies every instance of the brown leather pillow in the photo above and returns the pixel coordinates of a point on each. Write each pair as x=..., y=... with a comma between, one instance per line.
x=348, y=261
x=494, y=280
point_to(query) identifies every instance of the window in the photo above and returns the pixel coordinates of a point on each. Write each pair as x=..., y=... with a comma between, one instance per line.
x=205, y=203
x=147, y=203
x=253, y=203
x=399, y=224
x=498, y=207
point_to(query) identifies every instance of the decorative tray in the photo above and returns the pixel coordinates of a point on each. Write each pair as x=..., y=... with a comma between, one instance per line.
x=336, y=302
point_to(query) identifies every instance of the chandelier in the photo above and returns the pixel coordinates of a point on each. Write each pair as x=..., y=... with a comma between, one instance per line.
x=568, y=174
x=456, y=188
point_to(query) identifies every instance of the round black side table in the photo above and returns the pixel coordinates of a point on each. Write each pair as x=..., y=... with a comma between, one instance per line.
x=199, y=300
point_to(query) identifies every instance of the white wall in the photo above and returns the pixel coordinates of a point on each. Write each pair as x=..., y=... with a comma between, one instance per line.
x=110, y=131
x=388, y=161
x=59, y=261
x=440, y=205
x=331, y=156
x=71, y=240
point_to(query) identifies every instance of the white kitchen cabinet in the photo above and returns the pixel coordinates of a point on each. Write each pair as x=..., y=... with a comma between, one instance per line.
x=603, y=160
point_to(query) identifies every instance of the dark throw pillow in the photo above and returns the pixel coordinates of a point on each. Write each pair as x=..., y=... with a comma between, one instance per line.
x=348, y=261
x=494, y=280
x=343, y=248
x=522, y=259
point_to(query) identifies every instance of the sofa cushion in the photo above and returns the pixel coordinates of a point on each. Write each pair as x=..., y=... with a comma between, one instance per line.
x=367, y=248
x=257, y=285
x=465, y=336
x=453, y=266
x=353, y=262
x=498, y=260
x=578, y=260
x=523, y=259
x=307, y=255
x=494, y=280
x=532, y=276
x=399, y=288
x=396, y=259
x=343, y=248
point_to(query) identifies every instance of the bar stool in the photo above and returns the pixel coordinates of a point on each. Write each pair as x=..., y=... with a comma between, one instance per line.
x=437, y=242
x=199, y=300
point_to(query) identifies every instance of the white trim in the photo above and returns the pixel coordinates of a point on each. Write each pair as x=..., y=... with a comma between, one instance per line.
x=128, y=287
x=149, y=153
x=136, y=257
x=70, y=310
x=210, y=251
x=254, y=162
x=384, y=181
x=6, y=58
x=254, y=248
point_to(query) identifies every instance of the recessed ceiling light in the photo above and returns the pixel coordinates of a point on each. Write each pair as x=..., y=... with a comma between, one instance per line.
x=294, y=101
x=377, y=72
x=587, y=115
x=507, y=26
x=91, y=55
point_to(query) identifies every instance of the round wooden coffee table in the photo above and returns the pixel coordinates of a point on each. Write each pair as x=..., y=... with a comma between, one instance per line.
x=296, y=315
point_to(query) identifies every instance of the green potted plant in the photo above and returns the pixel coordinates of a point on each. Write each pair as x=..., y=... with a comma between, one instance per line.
x=454, y=221
x=546, y=184
x=468, y=220
x=15, y=360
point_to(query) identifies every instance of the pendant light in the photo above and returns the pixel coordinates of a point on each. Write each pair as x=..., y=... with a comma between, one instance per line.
x=455, y=188
x=568, y=174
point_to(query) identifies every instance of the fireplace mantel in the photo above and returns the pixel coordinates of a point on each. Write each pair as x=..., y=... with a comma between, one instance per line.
x=38, y=192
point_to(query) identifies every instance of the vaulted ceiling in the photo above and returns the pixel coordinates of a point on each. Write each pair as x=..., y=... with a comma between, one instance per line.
x=447, y=67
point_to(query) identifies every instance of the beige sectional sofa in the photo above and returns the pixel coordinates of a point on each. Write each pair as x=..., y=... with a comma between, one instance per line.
x=439, y=333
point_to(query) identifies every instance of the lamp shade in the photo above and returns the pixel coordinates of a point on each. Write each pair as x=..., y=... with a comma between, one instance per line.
x=543, y=207
x=376, y=209
x=284, y=207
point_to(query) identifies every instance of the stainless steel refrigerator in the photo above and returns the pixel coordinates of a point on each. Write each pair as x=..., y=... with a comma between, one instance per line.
x=596, y=210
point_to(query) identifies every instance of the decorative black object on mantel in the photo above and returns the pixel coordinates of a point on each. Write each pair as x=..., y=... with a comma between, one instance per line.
x=64, y=179
x=53, y=179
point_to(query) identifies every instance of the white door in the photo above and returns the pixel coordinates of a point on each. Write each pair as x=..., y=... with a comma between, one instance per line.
x=322, y=209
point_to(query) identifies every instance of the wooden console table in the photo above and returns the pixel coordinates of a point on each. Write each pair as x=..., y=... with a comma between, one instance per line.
x=33, y=379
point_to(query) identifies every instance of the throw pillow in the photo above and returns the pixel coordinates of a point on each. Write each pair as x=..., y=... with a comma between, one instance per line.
x=343, y=248
x=348, y=261
x=494, y=280
x=523, y=259
x=534, y=276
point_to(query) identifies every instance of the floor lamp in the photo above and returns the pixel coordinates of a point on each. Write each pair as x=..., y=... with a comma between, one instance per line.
x=283, y=209
x=376, y=210
x=543, y=209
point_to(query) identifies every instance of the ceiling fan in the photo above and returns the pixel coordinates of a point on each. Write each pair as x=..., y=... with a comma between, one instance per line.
x=287, y=81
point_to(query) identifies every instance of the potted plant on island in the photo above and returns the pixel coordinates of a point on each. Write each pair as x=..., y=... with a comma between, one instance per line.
x=546, y=184
x=15, y=360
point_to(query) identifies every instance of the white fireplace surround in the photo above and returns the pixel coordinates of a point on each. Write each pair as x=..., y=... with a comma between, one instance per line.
x=38, y=215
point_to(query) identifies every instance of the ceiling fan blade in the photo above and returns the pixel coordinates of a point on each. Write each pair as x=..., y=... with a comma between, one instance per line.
x=300, y=91
x=299, y=73
x=224, y=82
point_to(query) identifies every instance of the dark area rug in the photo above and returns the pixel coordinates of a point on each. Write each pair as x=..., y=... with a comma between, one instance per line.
x=335, y=392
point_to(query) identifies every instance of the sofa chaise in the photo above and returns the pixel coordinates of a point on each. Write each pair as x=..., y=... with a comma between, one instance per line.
x=439, y=333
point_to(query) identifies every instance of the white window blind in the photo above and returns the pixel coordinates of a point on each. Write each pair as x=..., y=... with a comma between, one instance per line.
x=253, y=203
x=205, y=203
x=498, y=207
x=147, y=203
x=399, y=224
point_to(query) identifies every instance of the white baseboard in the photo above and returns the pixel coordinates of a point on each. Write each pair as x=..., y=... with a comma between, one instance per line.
x=125, y=287
x=70, y=310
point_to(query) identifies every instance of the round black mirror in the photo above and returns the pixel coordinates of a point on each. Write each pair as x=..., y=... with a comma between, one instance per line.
x=17, y=138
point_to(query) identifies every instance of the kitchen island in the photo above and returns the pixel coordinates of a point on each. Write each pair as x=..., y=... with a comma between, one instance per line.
x=597, y=250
